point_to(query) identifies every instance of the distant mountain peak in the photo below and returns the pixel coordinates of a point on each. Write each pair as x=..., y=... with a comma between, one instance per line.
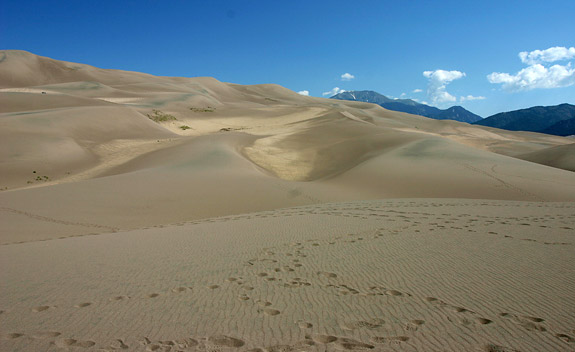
x=410, y=106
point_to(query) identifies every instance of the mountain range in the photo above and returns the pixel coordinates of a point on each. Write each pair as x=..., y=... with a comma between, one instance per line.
x=456, y=113
x=558, y=120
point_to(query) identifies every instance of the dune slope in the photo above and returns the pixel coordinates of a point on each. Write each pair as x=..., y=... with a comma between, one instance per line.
x=153, y=213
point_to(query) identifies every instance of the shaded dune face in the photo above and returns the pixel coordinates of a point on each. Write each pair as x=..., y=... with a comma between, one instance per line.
x=63, y=123
x=323, y=148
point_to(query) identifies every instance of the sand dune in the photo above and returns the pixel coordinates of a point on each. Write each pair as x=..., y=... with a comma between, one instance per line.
x=251, y=217
x=562, y=157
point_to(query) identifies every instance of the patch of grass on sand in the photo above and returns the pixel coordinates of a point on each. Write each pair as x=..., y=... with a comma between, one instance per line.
x=160, y=116
x=185, y=127
x=208, y=109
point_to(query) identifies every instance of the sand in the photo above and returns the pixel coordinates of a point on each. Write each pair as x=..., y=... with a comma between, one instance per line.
x=276, y=222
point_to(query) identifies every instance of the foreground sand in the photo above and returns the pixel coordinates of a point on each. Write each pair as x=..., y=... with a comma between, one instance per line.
x=390, y=275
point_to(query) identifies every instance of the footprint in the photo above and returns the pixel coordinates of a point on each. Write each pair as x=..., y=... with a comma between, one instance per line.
x=153, y=295
x=119, y=344
x=498, y=348
x=74, y=343
x=529, y=323
x=358, y=324
x=83, y=305
x=304, y=325
x=65, y=342
x=213, y=287
x=180, y=289
x=144, y=341
x=483, y=321
x=84, y=344
x=565, y=337
x=186, y=343
x=225, y=341
x=13, y=335
x=460, y=309
x=414, y=325
x=271, y=311
x=394, y=340
x=348, y=344
x=327, y=274
x=119, y=298
x=394, y=293
x=46, y=334
x=533, y=319
x=324, y=339
x=41, y=308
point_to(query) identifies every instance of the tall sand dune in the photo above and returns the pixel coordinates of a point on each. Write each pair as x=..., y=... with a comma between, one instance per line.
x=154, y=213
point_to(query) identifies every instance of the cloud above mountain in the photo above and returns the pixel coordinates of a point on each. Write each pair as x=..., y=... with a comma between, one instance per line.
x=438, y=81
x=538, y=74
x=334, y=91
x=347, y=77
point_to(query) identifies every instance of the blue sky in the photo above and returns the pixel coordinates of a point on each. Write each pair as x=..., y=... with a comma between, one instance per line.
x=387, y=46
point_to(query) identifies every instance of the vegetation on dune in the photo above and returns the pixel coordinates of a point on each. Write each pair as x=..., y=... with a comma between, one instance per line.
x=185, y=127
x=160, y=116
x=208, y=109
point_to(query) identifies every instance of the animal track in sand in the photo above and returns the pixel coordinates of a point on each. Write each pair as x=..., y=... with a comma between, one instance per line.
x=213, y=287
x=83, y=305
x=180, y=289
x=153, y=295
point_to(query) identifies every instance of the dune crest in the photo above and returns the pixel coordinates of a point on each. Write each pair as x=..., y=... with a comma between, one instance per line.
x=146, y=213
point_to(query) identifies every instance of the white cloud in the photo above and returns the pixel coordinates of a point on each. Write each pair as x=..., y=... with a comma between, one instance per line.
x=403, y=95
x=333, y=92
x=535, y=76
x=303, y=92
x=438, y=80
x=538, y=74
x=417, y=90
x=347, y=77
x=556, y=53
x=471, y=97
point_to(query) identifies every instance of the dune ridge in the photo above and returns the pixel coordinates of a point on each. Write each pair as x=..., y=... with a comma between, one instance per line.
x=154, y=213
